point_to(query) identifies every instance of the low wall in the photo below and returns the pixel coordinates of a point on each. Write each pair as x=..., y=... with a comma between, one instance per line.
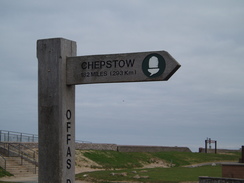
x=115, y=147
x=128, y=148
x=202, y=150
x=132, y=148
x=219, y=180
x=95, y=146
x=233, y=170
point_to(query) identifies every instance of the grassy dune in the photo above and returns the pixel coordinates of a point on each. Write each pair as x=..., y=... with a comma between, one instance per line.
x=119, y=166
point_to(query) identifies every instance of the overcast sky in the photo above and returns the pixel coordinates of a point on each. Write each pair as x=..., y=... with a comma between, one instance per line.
x=204, y=98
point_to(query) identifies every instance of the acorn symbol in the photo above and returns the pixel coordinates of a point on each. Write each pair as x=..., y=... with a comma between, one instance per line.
x=153, y=65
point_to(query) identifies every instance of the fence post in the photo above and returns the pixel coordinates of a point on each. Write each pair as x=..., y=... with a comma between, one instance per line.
x=21, y=156
x=206, y=146
x=19, y=150
x=8, y=150
x=215, y=146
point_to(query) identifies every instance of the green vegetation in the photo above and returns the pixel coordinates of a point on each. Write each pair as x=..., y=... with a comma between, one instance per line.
x=4, y=173
x=122, y=166
x=114, y=159
x=153, y=175
x=188, y=158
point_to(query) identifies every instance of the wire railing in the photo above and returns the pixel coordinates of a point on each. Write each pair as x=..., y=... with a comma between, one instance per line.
x=12, y=145
x=3, y=162
x=10, y=149
x=11, y=136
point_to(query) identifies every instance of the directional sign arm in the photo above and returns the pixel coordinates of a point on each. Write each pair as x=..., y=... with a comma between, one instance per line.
x=126, y=67
x=173, y=66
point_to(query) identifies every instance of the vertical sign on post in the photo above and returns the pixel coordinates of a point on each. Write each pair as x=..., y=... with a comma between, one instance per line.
x=56, y=112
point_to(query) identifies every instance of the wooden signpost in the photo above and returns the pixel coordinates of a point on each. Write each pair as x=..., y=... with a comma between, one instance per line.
x=59, y=70
x=126, y=67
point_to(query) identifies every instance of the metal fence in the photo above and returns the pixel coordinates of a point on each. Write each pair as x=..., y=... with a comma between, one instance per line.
x=22, y=152
x=10, y=136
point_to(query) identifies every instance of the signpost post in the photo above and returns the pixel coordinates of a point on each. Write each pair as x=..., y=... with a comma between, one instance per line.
x=59, y=70
x=56, y=112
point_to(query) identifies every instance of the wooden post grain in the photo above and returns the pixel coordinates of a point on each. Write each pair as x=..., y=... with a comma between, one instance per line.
x=56, y=112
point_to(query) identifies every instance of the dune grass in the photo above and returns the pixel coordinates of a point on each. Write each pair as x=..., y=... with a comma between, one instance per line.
x=114, y=159
x=126, y=167
x=153, y=175
x=4, y=173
